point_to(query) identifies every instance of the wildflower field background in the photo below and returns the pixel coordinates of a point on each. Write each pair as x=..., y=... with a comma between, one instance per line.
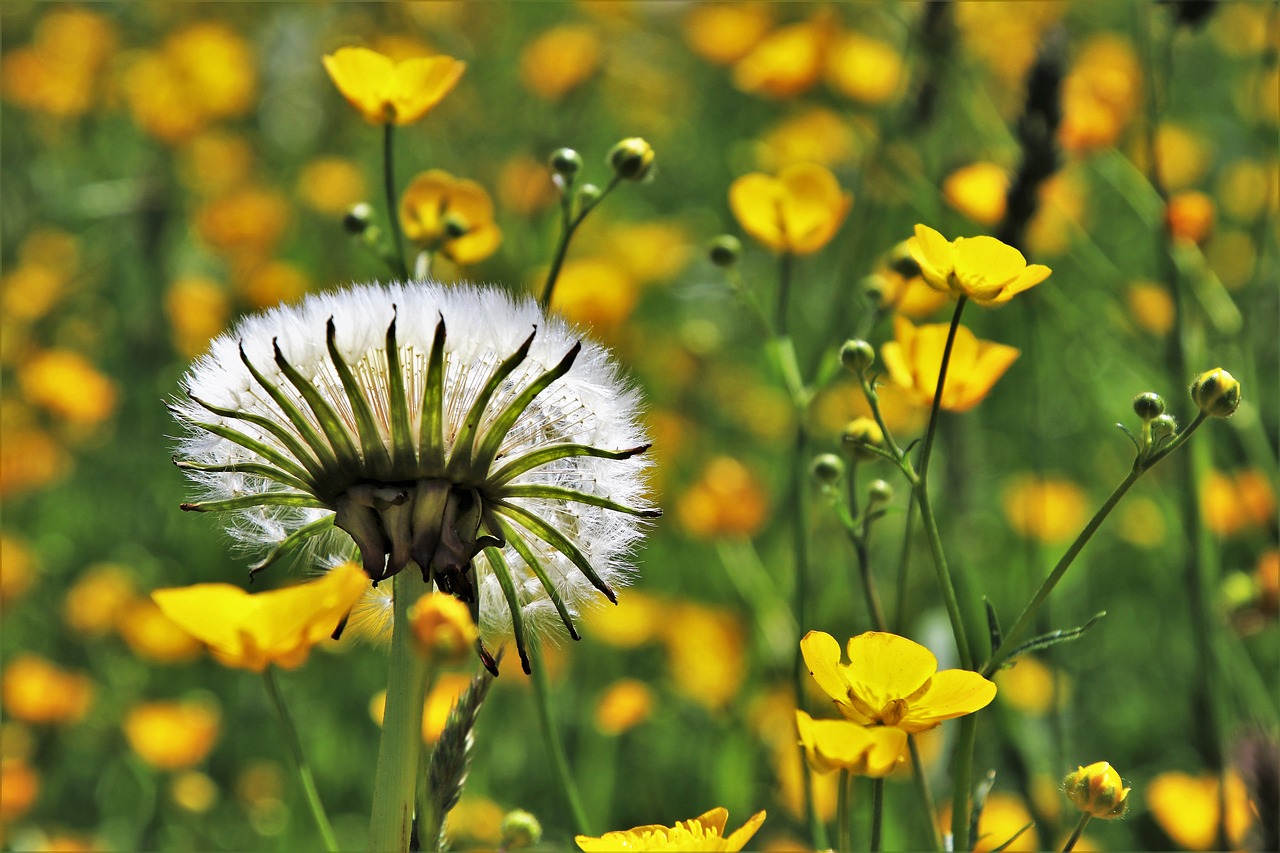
x=169, y=167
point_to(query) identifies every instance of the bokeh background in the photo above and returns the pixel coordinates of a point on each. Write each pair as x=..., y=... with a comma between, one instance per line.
x=167, y=167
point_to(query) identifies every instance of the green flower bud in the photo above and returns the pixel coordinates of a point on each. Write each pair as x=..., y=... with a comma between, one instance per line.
x=566, y=162
x=1098, y=790
x=901, y=262
x=1164, y=426
x=631, y=158
x=725, y=250
x=357, y=218
x=589, y=194
x=520, y=829
x=874, y=288
x=1217, y=393
x=860, y=435
x=879, y=491
x=1149, y=405
x=827, y=469
x=857, y=355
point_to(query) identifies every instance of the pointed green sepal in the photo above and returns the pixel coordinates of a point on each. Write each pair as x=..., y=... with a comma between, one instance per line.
x=558, y=493
x=299, y=499
x=503, y=573
x=544, y=455
x=293, y=540
x=544, y=531
x=254, y=469
x=276, y=429
x=402, y=451
x=323, y=453
x=266, y=451
x=431, y=429
x=463, y=444
x=372, y=445
x=339, y=438
x=527, y=554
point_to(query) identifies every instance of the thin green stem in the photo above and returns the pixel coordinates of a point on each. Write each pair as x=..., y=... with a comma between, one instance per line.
x=949, y=599
x=962, y=772
x=877, y=813
x=904, y=562
x=1077, y=832
x=400, y=750
x=844, y=822
x=555, y=746
x=569, y=222
x=393, y=209
x=294, y=746
x=927, y=451
x=786, y=262
x=921, y=783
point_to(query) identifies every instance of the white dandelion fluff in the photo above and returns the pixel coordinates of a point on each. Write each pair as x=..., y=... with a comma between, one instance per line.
x=453, y=428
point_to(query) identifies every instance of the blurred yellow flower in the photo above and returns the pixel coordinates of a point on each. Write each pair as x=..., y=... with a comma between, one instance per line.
x=1233, y=255
x=97, y=598
x=1100, y=93
x=910, y=297
x=193, y=791
x=1097, y=790
x=986, y=270
x=38, y=691
x=1151, y=307
x=727, y=501
x=385, y=91
x=68, y=386
x=250, y=631
x=1232, y=503
x=477, y=820
x=440, y=701
x=444, y=628
x=914, y=359
x=1247, y=188
x=1031, y=686
x=706, y=652
x=1182, y=156
x=704, y=832
x=817, y=135
x=250, y=220
x=524, y=186
x=843, y=745
x=216, y=161
x=649, y=251
x=1186, y=807
x=625, y=704
x=19, y=787
x=29, y=456
x=1004, y=37
x=1048, y=509
x=172, y=735
x=197, y=308
x=1061, y=215
x=560, y=60
x=723, y=33
x=978, y=191
x=60, y=72
x=1003, y=815
x=19, y=568
x=636, y=620
x=330, y=185
x=799, y=211
x=451, y=215
x=153, y=636
x=786, y=62
x=862, y=68
x=596, y=293
x=28, y=291
x=269, y=284
x=1190, y=216
x=892, y=681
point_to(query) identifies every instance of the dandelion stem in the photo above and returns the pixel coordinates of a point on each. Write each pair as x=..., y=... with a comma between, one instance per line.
x=844, y=831
x=1076, y=833
x=555, y=746
x=294, y=746
x=389, y=186
x=400, y=750
x=877, y=813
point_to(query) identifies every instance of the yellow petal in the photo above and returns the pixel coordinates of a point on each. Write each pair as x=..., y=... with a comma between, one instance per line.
x=1029, y=278
x=951, y=693
x=934, y=254
x=884, y=667
x=889, y=743
x=992, y=361
x=474, y=246
x=713, y=820
x=740, y=836
x=423, y=205
x=756, y=202
x=362, y=76
x=813, y=206
x=419, y=84
x=821, y=655
x=210, y=612
x=985, y=266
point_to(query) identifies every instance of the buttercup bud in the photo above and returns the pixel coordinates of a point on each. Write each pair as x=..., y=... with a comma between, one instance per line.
x=857, y=355
x=1097, y=790
x=520, y=829
x=357, y=218
x=1164, y=426
x=566, y=162
x=631, y=158
x=1217, y=393
x=879, y=492
x=901, y=262
x=1149, y=405
x=589, y=194
x=725, y=250
x=828, y=469
x=443, y=627
x=874, y=287
x=860, y=435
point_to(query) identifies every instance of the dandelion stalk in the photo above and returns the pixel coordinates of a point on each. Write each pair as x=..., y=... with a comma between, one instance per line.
x=389, y=186
x=399, y=753
x=555, y=747
x=294, y=746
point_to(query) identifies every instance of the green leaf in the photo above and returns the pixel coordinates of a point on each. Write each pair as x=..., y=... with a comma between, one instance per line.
x=1053, y=638
x=993, y=624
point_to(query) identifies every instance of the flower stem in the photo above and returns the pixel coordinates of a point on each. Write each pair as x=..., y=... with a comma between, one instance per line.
x=963, y=770
x=400, y=750
x=844, y=830
x=904, y=562
x=294, y=745
x=389, y=186
x=1076, y=833
x=921, y=782
x=877, y=813
x=569, y=222
x=555, y=746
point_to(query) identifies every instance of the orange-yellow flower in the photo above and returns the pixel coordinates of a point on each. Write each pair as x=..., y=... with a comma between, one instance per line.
x=385, y=91
x=444, y=628
x=172, y=735
x=1186, y=807
x=978, y=191
x=38, y=691
x=892, y=681
x=726, y=501
x=724, y=33
x=799, y=211
x=1190, y=216
x=19, y=787
x=704, y=832
x=1044, y=508
x=983, y=268
x=69, y=386
x=252, y=631
x=451, y=215
x=864, y=69
x=1097, y=790
x=560, y=60
x=914, y=359
x=844, y=745
x=624, y=705
x=786, y=62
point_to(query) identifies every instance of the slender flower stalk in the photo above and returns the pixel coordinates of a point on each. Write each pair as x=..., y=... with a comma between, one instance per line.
x=877, y=813
x=555, y=749
x=844, y=828
x=1070, y=845
x=389, y=188
x=294, y=746
x=572, y=213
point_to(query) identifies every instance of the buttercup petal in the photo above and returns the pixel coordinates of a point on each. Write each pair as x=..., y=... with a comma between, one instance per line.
x=985, y=266
x=889, y=743
x=714, y=819
x=361, y=76
x=756, y=202
x=935, y=256
x=1029, y=278
x=884, y=667
x=821, y=655
x=740, y=836
x=419, y=84
x=992, y=361
x=951, y=693
x=813, y=206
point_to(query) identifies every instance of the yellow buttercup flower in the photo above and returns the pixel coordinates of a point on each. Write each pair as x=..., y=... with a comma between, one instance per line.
x=892, y=681
x=451, y=215
x=1187, y=808
x=36, y=690
x=978, y=191
x=445, y=630
x=704, y=832
x=385, y=91
x=172, y=735
x=984, y=269
x=250, y=631
x=914, y=359
x=843, y=745
x=1097, y=790
x=1048, y=509
x=624, y=705
x=560, y=60
x=724, y=33
x=799, y=211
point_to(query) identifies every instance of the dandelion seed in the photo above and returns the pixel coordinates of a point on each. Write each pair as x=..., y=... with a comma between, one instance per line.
x=455, y=429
